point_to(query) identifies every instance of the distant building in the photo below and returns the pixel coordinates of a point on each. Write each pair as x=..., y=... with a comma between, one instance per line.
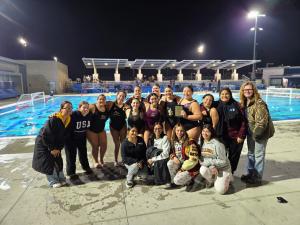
x=46, y=75
x=27, y=76
x=285, y=76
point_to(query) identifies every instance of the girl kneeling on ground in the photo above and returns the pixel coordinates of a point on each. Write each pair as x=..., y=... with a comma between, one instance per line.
x=158, y=155
x=49, y=143
x=215, y=166
x=179, y=141
x=133, y=151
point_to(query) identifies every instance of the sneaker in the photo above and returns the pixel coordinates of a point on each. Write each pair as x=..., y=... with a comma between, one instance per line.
x=56, y=185
x=246, y=177
x=189, y=186
x=73, y=177
x=89, y=171
x=209, y=184
x=129, y=184
x=117, y=164
x=63, y=183
x=170, y=185
x=255, y=181
x=197, y=186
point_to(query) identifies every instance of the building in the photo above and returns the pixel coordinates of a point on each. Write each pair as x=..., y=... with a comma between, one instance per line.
x=46, y=75
x=284, y=76
x=27, y=76
x=13, y=78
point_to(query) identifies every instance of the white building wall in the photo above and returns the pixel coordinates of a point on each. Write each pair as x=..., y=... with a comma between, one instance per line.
x=40, y=73
x=272, y=72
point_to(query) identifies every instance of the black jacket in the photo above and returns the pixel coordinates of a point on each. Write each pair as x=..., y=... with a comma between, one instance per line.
x=51, y=136
x=132, y=153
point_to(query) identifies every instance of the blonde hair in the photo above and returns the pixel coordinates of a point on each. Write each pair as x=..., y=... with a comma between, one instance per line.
x=255, y=97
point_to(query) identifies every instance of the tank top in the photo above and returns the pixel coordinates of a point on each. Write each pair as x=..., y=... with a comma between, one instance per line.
x=188, y=124
x=98, y=120
x=206, y=119
x=151, y=117
x=170, y=113
x=117, y=117
x=136, y=121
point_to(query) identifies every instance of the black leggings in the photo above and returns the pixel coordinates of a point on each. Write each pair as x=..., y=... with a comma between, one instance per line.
x=234, y=152
x=71, y=152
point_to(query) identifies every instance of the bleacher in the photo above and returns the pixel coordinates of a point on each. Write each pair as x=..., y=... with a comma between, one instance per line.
x=8, y=90
x=112, y=86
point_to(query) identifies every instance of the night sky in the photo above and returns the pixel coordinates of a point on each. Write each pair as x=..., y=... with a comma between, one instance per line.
x=161, y=29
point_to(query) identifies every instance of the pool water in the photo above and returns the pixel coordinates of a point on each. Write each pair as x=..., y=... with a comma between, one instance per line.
x=28, y=120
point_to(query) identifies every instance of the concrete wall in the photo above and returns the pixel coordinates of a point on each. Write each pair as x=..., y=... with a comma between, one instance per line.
x=41, y=72
x=272, y=72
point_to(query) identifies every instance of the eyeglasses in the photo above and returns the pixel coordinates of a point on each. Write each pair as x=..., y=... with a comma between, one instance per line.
x=68, y=108
x=248, y=90
x=157, y=128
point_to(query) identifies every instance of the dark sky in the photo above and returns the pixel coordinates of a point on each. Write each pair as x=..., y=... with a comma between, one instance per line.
x=153, y=29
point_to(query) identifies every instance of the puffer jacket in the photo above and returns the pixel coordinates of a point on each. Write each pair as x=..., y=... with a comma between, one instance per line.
x=258, y=120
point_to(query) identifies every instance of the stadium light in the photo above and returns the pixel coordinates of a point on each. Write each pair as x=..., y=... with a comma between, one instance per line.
x=23, y=41
x=200, y=49
x=254, y=15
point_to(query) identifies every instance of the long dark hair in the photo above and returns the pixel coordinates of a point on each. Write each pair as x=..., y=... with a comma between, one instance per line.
x=153, y=136
x=212, y=131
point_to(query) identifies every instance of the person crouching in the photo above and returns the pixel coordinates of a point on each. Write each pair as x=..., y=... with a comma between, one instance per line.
x=49, y=143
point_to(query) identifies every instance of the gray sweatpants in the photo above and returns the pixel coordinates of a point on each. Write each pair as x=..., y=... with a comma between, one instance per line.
x=173, y=168
x=221, y=182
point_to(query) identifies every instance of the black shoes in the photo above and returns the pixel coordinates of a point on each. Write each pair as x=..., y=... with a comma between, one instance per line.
x=251, y=179
x=89, y=172
x=246, y=177
x=73, y=177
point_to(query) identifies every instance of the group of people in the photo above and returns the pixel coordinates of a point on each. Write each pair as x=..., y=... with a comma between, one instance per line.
x=176, y=139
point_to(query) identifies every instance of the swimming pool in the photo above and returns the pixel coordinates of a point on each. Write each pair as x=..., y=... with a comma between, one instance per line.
x=28, y=120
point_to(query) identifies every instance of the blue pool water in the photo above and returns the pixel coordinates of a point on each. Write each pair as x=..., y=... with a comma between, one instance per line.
x=28, y=120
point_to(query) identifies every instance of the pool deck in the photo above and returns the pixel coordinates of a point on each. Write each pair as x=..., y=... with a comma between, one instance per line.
x=26, y=199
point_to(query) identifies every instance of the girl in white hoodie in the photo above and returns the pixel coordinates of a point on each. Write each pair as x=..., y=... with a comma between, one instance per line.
x=215, y=166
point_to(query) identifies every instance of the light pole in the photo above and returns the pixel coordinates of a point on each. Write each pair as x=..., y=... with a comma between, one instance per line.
x=254, y=15
x=24, y=43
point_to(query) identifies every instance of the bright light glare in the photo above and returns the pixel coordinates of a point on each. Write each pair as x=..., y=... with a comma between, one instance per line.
x=200, y=49
x=253, y=14
x=23, y=41
x=55, y=58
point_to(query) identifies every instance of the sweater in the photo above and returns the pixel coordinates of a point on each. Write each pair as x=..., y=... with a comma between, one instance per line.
x=259, y=121
x=214, y=154
x=133, y=153
x=164, y=145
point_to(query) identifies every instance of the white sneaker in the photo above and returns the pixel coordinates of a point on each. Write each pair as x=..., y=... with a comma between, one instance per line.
x=56, y=185
x=63, y=183
x=129, y=184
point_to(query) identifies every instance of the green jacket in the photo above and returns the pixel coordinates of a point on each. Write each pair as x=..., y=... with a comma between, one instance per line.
x=259, y=120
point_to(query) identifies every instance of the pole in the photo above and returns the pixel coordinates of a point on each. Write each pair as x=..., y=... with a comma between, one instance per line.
x=253, y=76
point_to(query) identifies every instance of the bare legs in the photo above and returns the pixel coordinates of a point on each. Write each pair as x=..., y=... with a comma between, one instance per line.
x=98, y=142
x=118, y=137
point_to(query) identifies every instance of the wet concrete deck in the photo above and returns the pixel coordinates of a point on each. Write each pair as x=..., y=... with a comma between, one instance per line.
x=26, y=199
